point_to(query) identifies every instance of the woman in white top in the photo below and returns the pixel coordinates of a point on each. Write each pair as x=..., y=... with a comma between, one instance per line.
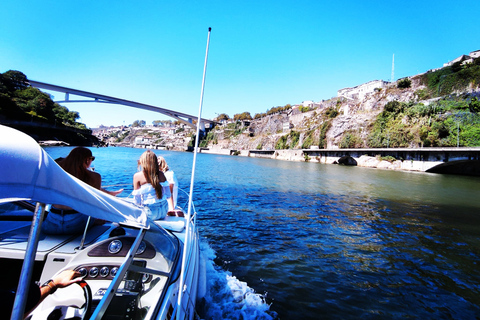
x=172, y=180
x=150, y=187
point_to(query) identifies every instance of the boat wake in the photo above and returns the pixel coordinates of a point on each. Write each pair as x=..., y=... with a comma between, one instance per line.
x=226, y=297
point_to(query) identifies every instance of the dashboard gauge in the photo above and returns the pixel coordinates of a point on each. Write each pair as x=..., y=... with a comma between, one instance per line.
x=114, y=271
x=83, y=272
x=115, y=246
x=104, y=272
x=93, y=272
x=141, y=247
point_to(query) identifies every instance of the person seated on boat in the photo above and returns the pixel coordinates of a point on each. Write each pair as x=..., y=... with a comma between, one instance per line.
x=173, y=182
x=36, y=294
x=62, y=219
x=150, y=187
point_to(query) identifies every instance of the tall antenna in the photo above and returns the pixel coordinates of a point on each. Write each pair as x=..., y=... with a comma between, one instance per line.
x=393, y=67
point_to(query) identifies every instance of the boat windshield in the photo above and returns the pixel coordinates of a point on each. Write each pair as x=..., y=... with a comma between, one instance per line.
x=141, y=291
x=146, y=275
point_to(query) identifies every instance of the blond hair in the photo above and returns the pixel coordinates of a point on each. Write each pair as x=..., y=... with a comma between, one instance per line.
x=148, y=161
x=162, y=164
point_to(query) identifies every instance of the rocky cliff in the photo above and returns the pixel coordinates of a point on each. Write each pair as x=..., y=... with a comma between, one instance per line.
x=349, y=120
x=343, y=114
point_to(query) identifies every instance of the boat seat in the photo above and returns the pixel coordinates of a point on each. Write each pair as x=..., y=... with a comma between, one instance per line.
x=175, y=224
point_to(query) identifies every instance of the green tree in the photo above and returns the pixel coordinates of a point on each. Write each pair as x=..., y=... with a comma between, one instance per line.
x=139, y=123
x=223, y=116
x=14, y=80
x=242, y=116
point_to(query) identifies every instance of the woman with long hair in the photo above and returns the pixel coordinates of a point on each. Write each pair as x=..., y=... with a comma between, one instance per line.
x=62, y=219
x=77, y=163
x=172, y=180
x=150, y=187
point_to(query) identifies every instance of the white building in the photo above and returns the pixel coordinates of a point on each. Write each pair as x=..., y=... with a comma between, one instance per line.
x=142, y=140
x=360, y=91
x=464, y=58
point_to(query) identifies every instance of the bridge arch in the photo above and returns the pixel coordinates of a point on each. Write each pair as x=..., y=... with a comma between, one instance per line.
x=100, y=98
x=463, y=167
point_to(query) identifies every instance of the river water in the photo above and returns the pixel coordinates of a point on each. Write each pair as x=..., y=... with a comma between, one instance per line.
x=296, y=240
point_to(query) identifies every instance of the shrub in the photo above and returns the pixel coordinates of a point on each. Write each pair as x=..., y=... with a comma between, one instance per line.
x=307, y=142
x=423, y=94
x=394, y=107
x=304, y=109
x=388, y=158
x=350, y=140
x=474, y=105
x=282, y=143
x=404, y=83
x=323, y=134
x=331, y=112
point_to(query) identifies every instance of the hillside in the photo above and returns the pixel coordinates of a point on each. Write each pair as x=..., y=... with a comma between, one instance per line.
x=33, y=112
x=439, y=108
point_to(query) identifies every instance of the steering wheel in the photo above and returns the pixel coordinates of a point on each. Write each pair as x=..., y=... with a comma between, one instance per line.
x=66, y=303
x=87, y=293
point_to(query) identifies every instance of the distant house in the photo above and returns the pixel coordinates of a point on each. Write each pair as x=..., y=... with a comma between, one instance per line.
x=142, y=140
x=311, y=104
x=360, y=91
x=475, y=54
x=464, y=58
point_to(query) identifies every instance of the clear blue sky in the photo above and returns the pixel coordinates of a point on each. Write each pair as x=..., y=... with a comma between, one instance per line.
x=262, y=53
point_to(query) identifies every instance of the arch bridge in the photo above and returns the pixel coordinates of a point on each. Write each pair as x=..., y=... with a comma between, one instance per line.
x=100, y=98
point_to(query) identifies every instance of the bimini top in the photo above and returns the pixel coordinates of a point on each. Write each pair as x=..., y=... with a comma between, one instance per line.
x=27, y=172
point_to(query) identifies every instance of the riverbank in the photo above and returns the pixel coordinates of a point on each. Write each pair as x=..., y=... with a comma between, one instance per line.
x=462, y=161
x=465, y=161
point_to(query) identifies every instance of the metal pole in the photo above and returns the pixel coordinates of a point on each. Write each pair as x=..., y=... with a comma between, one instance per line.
x=187, y=218
x=26, y=274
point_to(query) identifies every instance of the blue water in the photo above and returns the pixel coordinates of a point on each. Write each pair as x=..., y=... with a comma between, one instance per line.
x=290, y=240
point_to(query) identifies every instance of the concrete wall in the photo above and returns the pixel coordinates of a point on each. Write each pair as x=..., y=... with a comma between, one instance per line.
x=412, y=159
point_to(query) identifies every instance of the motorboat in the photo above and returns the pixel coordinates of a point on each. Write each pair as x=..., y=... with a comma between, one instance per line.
x=132, y=267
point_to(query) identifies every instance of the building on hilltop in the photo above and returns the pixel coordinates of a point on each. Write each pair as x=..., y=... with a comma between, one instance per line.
x=464, y=58
x=360, y=91
x=311, y=104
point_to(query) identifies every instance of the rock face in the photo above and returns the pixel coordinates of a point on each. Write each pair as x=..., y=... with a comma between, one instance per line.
x=354, y=115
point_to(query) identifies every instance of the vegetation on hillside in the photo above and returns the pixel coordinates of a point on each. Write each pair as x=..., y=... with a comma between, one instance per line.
x=442, y=113
x=272, y=111
x=449, y=122
x=456, y=77
x=21, y=102
x=445, y=123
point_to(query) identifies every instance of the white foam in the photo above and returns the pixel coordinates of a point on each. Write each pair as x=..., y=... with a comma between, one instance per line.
x=227, y=297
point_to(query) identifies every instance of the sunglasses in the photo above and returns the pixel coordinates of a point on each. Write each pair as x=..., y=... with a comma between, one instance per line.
x=92, y=158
